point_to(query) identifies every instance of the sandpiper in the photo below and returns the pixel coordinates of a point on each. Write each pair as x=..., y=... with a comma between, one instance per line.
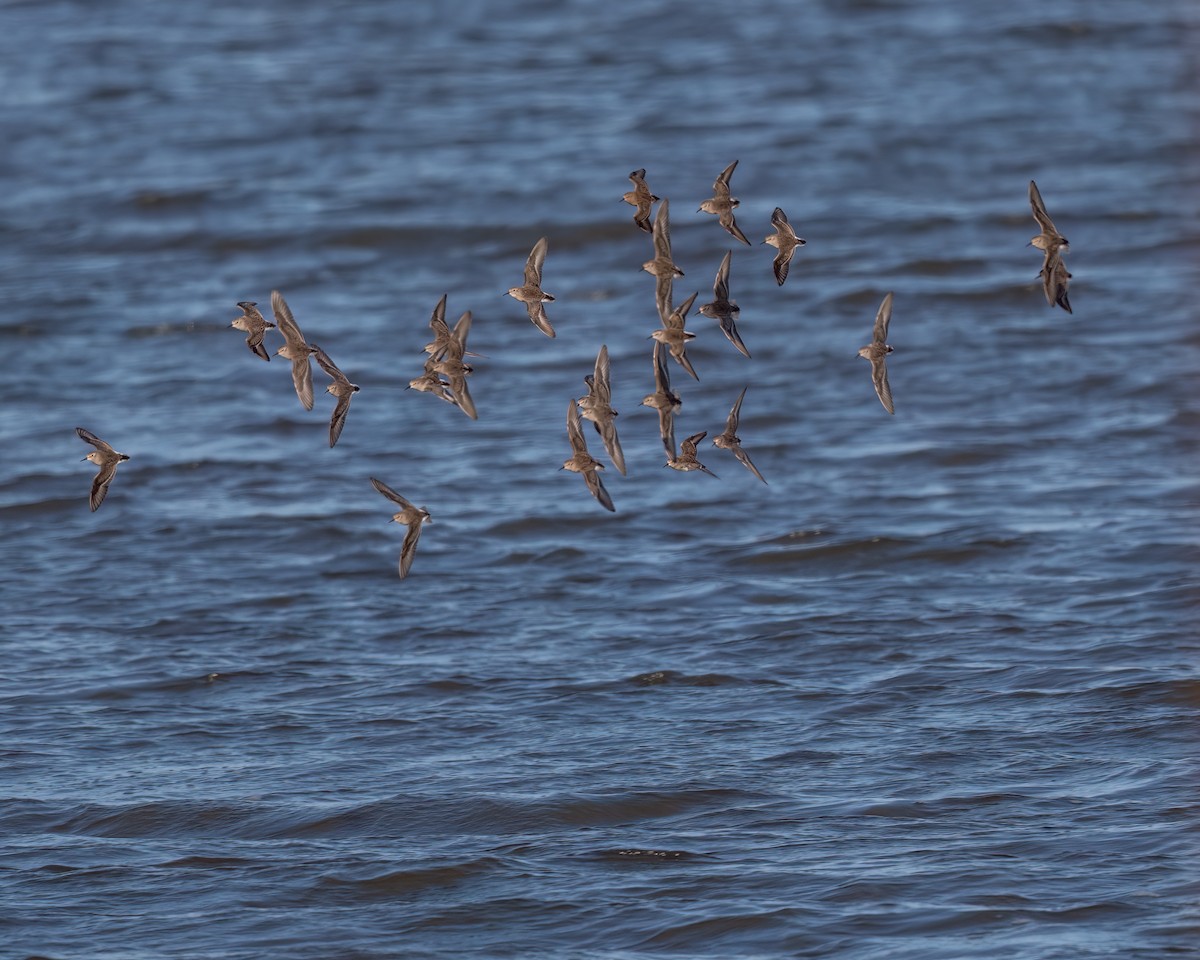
x=583, y=462
x=531, y=293
x=640, y=197
x=877, y=350
x=662, y=267
x=722, y=204
x=341, y=388
x=442, y=334
x=432, y=382
x=255, y=325
x=673, y=335
x=456, y=371
x=412, y=517
x=597, y=407
x=687, y=455
x=1054, y=276
x=784, y=240
x=663, y=399
x=724, y=310
x=729, y=440
x=295, y=348
x=106, y=458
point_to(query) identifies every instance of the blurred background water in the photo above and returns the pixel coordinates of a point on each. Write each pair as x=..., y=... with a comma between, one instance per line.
x=929, y=693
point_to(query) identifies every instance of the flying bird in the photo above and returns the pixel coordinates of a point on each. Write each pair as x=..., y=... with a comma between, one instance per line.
x=1054, y=276
x=687, y=455
x=341, y=388
x=410, y=516
x=106, y=458
x=597, y=407
x=640, y=197
x=722, y=204
x=730, y=441
x=583, y=462
x=432, y=382
x=295, y=348
x=672, y=334
x=443, y=335
x=784, y=240
x=724, y=310
x=662, y=267
x=663, y=399
x=531, y=293
x=877, y=350
x=255, y=325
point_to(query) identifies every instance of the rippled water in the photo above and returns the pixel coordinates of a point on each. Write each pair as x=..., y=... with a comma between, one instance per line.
x=929, y=693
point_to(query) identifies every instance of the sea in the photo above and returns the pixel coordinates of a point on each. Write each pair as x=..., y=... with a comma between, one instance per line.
x=928, y=693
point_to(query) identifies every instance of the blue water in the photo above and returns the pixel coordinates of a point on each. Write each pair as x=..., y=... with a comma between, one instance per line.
x=930, y=693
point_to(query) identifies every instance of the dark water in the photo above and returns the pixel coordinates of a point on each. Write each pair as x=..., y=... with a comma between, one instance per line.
x=929, y=694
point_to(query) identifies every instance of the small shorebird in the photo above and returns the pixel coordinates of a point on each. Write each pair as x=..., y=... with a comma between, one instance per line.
x=452, y=367
x=410, y=516
x=597, y=407
x=662, y=267
x=672, y=334
x=724, y=310
x=255, y=325
x=877, y=350
x=432, y=382
x=442, y=334
x=663, y=399
x=106, y=458
x=1054, y=276
x=729, y=440
x=640, y=197
x=722, y=204
x=583, y=462
x=341, y=388
x=784, y=240
x=531, y=293
x=295, y=348
x=687, y=455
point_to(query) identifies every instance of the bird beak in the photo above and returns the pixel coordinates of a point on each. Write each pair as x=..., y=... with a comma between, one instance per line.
x=82, y=459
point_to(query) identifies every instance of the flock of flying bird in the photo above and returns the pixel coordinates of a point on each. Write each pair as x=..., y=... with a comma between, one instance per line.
x=446, y=371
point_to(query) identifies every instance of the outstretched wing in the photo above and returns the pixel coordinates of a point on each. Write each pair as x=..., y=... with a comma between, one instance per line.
x=94, y=440
x=1039, y=210
x=882, y=319
x=602, y=379
x=721, y=184
x=596, y=486
x=575, y=429
x=731, y=424
x=408, y=549
x=285, y=321
x=882, y=388
x=533, y=265
x=721, y=285
x=744, y=458
x=390, y=493
x=537, y=313
x=662, y=232
x=729, y=222
x=338, y=420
